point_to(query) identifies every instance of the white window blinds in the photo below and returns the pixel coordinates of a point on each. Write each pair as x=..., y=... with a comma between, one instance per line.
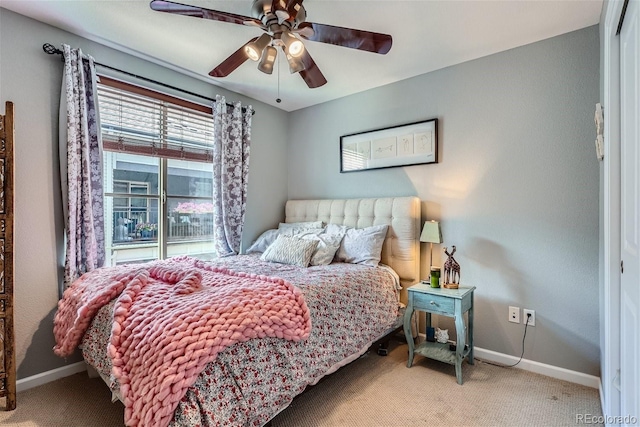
x=140, y=124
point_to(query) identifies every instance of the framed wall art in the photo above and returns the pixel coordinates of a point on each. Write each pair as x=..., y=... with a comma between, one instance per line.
x=404, y=145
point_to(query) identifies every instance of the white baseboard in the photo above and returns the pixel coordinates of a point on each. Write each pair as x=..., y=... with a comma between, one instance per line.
x=605, y=410
x=481, y=353
x=48, y=376
x=538, y=368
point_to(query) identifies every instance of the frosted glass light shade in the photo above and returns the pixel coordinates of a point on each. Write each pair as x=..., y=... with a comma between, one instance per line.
x=254, y=49
x=294, y=46
x=295, y=64
x=268, y=58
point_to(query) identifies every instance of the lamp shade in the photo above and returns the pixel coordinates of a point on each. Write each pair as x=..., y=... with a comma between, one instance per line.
x=295, y=64
x=431, y=232
x=254, y=49
x=268, y=58
x=294, y=46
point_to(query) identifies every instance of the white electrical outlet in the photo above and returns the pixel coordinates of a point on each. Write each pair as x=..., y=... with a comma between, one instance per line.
x=514, y=314
x=532, y=318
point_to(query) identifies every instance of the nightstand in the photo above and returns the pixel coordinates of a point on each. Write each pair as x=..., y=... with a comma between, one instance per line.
x=445, y=302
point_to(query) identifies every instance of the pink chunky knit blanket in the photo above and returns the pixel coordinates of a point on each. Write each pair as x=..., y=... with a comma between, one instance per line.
x=171, y=319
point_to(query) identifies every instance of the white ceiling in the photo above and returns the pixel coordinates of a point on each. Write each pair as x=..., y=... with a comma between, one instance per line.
x=427, y=35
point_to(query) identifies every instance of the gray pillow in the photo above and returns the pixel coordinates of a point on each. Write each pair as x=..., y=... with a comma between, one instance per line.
x=290, y=250
x=262, y=243
x=268, y=237
x=362, y=245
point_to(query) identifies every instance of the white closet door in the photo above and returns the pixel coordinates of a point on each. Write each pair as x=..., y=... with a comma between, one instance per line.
x=630, y=213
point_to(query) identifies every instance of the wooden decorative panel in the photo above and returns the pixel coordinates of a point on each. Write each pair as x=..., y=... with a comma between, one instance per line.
x=2, y=286
x=2, y=179
x=7, y=339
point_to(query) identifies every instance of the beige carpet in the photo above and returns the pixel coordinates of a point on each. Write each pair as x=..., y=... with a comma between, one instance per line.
x=372, y=391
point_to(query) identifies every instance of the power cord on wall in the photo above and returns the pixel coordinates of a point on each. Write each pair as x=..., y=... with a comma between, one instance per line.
x=522, y=354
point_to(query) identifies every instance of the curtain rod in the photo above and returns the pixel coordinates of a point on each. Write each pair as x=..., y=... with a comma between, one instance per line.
x=52, y=50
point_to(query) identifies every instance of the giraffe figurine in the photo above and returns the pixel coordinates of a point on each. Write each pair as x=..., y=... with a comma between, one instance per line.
x=451, y=268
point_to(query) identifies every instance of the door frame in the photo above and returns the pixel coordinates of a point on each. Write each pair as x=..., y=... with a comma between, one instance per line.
x=610, y=303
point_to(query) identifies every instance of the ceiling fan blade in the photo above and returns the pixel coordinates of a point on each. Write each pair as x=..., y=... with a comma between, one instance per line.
x=305, y=32
x=200, y=12
x=311, y=74
x=346, y=37
x=234, y=60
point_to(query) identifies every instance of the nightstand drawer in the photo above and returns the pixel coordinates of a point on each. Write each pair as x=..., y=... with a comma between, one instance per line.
x=432, y=303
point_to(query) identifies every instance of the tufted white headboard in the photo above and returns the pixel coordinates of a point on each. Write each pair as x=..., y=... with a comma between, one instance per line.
x=401, y=249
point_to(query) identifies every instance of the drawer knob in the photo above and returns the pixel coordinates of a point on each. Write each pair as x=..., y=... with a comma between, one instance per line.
x=433, y=303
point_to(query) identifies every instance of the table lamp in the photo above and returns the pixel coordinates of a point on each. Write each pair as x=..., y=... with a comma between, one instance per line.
x=431, y=233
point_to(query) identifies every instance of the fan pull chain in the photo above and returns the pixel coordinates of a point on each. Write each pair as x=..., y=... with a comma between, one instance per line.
x=278, y=100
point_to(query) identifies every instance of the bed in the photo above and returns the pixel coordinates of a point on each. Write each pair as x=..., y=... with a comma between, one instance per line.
x=350, y=306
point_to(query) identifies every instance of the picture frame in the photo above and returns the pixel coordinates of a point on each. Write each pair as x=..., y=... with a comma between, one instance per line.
x=404, y=145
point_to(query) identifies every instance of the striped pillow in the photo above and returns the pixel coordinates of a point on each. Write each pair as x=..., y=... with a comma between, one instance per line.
x=290, y=250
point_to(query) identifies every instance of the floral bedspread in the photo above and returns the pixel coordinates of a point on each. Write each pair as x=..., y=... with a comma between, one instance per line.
x=249, y=383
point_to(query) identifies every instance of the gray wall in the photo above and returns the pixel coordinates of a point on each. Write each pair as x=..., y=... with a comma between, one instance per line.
x=516, y=189
x=32, y=80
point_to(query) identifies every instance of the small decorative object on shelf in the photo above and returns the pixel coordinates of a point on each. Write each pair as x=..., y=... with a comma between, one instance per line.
x=431, y=334
x=435, y=277
x=451, y=270
x=442, y=335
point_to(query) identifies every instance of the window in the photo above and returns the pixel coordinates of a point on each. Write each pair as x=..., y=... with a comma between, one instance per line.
x=158, y=177
x=131, y=207
x=128, y=211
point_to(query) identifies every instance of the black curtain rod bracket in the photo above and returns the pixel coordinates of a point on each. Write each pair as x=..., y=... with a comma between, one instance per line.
x=52, y=50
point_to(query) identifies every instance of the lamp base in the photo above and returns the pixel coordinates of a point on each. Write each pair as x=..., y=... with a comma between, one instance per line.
x=450, y=285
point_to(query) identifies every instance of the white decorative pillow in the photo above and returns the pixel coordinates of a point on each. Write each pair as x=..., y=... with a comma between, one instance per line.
x=300, y=231
x=336, y=229
x=290, y=250
x=296, y=227
x=362, y=245
x=262, y=243
x=328, y=245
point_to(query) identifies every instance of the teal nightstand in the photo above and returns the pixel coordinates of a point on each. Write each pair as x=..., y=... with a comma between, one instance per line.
x=445, y=302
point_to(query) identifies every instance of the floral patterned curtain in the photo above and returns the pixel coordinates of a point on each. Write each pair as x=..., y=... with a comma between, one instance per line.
x=231, y=141
x=81, y=167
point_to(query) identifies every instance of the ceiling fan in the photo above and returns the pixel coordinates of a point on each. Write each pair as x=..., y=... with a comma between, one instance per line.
x=284, y=23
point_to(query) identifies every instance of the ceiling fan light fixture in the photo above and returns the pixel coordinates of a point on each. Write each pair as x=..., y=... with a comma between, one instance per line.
x=294, y=45
x=295, y=64
x=285, y=26
x=280, y=10
x=254, y=49
x=268, y=58
x=296, y=5
x=261, y=8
